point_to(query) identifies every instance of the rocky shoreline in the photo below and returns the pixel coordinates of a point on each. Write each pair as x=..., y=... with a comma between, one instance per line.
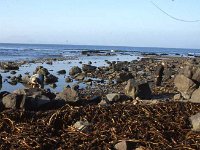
x=122, y=106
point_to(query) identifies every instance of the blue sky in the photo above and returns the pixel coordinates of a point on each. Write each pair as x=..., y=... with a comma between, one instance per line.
x=100, y=22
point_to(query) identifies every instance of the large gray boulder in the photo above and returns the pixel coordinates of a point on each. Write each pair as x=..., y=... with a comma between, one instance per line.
x=185, y=86
x=137, y=89
x=195, y=121
x=13, y=101
x=74, y=70
x=68, y=95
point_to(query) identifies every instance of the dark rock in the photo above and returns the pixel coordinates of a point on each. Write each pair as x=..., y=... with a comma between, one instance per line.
x=185, y=86
x=124, y=76
x=95, y=100
x=135, y=89
x=62, y=72
x=74, y=70
x=3, y=93
x=0, y=79
x=50, y=79
x=13, y=72
x=88, y=68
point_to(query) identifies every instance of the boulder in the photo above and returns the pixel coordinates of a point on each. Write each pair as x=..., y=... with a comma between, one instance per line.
x=135, y=89
x=195, y=98
x=185, y=86
x=35, y=98
x=37, y=79
x=123, y=76
x=69, y=95
x=187, y=71
x=195, y=121
x=88, y=68
x=196, y=75
x=13, y=101
x=74, y=70
x=50, y=79
x=41, y=70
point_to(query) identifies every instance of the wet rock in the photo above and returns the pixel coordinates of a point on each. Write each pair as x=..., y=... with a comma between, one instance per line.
x=137, y=89
x=61, y=72
x=80, y=76
x=74, y=70
x=69, y=95
x=88, y=68
x=195, y=98
x=68, y=79
x=195, y=121
x=13, y=72
x=0, y=79
x=50, y=79
x=41, y=70
x=9, y=66
x=185, y=86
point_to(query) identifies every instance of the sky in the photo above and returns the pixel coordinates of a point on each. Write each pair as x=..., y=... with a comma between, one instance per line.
x=101, y=22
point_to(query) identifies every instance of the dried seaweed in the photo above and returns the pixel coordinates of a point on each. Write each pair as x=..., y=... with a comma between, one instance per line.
x=160, y=126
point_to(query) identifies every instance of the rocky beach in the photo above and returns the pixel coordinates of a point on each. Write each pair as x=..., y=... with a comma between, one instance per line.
x=101, y=100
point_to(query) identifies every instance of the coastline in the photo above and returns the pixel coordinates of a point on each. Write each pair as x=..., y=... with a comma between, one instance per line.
x=93, y=96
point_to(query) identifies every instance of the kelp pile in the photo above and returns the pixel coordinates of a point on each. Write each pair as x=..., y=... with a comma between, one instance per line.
x=159, y=126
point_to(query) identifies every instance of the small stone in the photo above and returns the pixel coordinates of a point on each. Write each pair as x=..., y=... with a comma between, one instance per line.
x=82, y=125
x=195, y=121
x=177, y=97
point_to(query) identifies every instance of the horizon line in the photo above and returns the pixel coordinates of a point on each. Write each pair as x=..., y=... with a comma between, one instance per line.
x=97, y=45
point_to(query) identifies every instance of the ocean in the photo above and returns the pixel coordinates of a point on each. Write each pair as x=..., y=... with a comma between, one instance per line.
x=12, y=52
